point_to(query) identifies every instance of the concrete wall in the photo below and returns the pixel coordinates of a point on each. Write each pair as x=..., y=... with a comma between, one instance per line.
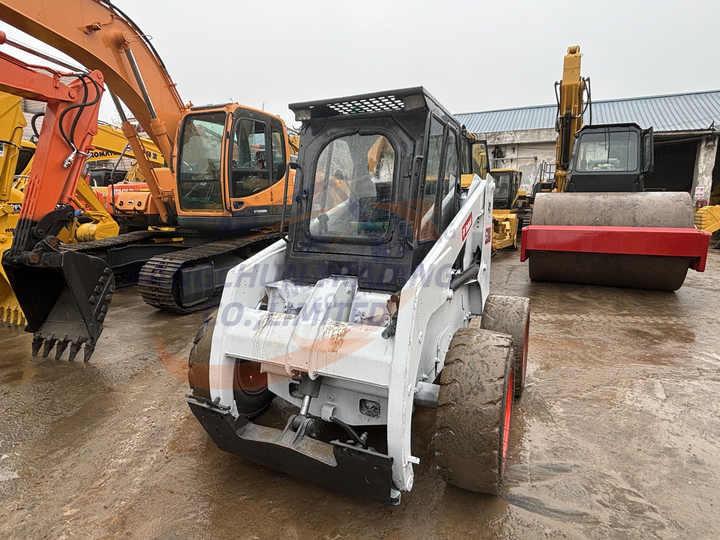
x=704, y=165
x=521, y=150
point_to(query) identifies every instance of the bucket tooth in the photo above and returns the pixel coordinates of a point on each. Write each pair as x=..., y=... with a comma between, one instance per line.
x=48, y=345
x=88, y=352
x=74, y=350
x=61, y=347
x=37, y=343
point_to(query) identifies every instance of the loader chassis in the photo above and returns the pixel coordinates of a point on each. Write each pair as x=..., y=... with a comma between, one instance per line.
x=350, y=318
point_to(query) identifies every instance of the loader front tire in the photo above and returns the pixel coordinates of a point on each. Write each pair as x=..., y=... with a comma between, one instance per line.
x=474, y=413
x=511, y=315
x=250, y=389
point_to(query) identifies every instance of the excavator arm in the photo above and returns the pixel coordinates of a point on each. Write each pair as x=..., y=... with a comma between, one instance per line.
x=570, y=93
x=101, y=37
x=63, y=294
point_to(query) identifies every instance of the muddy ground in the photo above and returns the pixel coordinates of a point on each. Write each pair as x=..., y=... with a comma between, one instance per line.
x=618, y=434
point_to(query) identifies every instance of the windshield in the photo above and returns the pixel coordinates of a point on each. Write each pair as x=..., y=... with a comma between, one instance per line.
x=353, y=188
x=615, y=151
x=502, y=186
x=200, y=162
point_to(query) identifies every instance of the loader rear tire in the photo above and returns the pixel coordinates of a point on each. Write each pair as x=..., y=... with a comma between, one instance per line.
x=511, y=315
x=250, y=389
x=474, y=411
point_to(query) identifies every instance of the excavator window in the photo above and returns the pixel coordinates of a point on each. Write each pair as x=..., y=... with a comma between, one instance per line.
x=278, y=154
x=352, y=192
x=503, y=190
x=200, y=162
x=250, y=170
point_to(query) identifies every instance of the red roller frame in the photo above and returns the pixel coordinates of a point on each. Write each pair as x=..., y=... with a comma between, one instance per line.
x=661, y=241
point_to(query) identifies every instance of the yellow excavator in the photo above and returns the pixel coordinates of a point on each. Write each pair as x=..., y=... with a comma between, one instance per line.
x=510, y=206
x=598, y=225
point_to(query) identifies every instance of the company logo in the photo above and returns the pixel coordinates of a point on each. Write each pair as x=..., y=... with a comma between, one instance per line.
x=467, y=226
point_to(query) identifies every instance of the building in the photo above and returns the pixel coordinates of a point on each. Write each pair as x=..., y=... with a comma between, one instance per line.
x=686, y=126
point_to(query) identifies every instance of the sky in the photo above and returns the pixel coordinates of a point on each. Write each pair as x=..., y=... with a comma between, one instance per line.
x=471, y=55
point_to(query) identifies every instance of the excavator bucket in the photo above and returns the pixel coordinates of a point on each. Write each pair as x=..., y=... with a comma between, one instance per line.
x=65, y=296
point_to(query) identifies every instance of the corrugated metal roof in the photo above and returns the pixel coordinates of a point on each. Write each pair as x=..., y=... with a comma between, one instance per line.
x=675, y=112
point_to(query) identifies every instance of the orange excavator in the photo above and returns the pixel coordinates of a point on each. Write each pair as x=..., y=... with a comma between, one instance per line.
x=220, y=198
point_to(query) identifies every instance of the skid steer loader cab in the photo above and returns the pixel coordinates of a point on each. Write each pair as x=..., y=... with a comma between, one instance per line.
x=352, y=318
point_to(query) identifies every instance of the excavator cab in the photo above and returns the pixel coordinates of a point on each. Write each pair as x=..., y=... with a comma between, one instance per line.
x=611, y=158
x=231, y=164
x=507, y=184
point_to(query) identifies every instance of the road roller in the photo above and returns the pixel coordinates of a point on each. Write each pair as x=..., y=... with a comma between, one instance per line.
x=638, y=240
x=596, y=224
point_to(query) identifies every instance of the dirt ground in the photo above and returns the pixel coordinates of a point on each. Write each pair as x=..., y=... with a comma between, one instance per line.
x=617, y=434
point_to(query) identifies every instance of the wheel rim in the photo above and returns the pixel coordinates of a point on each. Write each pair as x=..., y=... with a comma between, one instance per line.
x=249, y=379
x=507, y=417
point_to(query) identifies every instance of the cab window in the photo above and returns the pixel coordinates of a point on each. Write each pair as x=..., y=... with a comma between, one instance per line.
x=614, y=151
x=352, y=192
x=428, y=229
x=278, y=154
x=450, y=180
x=200, y=162
x=249, y=168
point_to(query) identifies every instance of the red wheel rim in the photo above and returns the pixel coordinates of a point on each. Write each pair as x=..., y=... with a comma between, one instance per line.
x=507, y=417
x=249, y=379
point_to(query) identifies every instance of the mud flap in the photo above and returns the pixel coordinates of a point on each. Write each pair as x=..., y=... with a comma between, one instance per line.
x=65, y=297
x=337, y=466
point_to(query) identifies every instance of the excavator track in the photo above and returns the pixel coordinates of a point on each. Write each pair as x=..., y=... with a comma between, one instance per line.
x=160, y=278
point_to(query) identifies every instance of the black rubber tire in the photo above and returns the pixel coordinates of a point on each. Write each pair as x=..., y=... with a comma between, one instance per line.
x=248, y=405
x=474, y=386
x=511, y=315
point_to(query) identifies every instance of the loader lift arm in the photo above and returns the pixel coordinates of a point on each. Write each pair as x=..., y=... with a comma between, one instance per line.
x=78, y=286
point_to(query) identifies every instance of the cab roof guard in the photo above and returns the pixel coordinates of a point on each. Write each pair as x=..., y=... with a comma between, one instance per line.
x=389, y=101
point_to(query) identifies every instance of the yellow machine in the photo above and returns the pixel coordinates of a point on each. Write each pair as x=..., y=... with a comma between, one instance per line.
x=12, y=123
x=707, y=218
x=93, y=222
x=510, y=204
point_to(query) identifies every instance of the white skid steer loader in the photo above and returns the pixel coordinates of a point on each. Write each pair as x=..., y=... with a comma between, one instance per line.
x=364, y=310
